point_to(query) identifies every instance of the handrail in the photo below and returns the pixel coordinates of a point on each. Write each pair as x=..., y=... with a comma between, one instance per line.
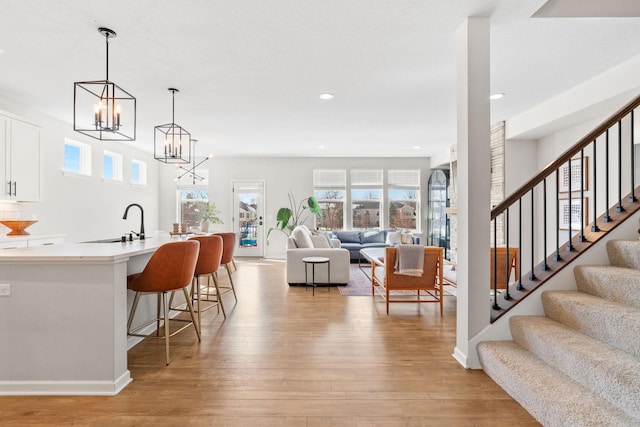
x=564, y=158
x=542, y=225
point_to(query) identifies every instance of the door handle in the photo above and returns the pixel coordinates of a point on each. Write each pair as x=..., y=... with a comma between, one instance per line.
x=15, y=188
x=9, y=183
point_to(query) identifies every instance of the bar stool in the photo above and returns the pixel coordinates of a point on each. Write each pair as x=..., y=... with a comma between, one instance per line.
x=207, y=266
x=170, y=268
x=229, y=240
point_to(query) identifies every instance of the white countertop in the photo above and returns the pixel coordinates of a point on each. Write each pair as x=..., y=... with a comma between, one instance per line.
x=83, y=251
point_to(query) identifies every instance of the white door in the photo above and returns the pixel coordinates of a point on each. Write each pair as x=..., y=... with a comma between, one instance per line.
x=248, y=217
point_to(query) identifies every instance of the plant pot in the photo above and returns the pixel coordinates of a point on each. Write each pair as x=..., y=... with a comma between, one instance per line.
x=204, y=226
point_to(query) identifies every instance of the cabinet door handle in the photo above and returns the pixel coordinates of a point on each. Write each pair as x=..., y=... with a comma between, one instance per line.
x=9, y=183
x=15, y=188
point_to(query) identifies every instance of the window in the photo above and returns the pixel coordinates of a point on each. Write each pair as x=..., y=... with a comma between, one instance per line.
x=138, y=172
x=403, y=189
x=112, y=166
x=332, y=204
x=438, y=226
x=77, y=157
x=329, y=191
x=366, y=198
x=193, y=203
x=193, y=195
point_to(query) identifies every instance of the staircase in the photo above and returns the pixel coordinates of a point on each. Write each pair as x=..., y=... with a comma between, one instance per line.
x=579, y=364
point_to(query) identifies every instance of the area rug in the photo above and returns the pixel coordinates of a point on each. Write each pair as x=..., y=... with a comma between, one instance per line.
x=360, y=284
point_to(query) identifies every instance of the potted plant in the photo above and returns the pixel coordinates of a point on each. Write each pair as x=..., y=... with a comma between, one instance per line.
x=289, y=217
x=210, y=215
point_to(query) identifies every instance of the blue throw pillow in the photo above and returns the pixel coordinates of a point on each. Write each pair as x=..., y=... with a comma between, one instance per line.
x=374, y=236
x=348, y=236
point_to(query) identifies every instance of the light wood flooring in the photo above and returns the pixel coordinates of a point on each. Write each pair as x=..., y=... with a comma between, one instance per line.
x=286, y=358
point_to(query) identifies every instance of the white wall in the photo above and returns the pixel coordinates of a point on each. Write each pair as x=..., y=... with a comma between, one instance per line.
x=85, y=208
x=280, y=175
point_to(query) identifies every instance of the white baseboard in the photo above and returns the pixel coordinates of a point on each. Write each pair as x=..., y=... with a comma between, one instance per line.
x=65, y=388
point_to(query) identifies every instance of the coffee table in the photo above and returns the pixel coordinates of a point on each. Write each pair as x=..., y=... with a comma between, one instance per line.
x=375, y=256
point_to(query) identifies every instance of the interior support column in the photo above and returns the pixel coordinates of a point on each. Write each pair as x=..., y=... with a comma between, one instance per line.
x=474, y=173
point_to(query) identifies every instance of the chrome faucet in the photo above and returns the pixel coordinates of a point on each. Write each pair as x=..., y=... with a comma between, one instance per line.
x=141, y=234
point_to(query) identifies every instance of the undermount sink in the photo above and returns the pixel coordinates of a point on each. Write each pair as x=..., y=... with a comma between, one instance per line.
x=114, y=240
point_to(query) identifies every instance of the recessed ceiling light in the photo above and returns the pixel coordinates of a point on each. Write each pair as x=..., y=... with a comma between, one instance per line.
x=496, y=96
x=1, y=51
x=326, y=96
x=320, y=147
x=416, y=147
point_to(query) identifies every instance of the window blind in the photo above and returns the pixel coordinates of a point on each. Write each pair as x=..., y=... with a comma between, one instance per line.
x=366, y=177
x=404, y=178
x=329, y=178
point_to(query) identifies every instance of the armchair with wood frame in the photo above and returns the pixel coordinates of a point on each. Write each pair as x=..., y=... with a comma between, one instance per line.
x=385, y=280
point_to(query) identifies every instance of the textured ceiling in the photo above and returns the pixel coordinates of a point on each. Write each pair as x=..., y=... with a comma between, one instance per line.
x=250, y=72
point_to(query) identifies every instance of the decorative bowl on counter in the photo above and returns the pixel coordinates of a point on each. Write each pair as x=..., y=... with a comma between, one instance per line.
x=17, y=226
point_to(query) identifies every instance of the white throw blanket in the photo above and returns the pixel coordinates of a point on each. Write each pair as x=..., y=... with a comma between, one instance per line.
x=409, y=260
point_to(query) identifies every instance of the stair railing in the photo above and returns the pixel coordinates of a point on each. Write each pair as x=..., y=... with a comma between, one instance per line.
x=546, y=218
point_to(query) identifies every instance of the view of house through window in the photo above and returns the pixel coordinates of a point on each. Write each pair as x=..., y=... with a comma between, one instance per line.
x=332, y=204
x=403, y=195
x=329, y=190
x=367, y=200
x=403, y=205
x=365, y=208
x=193, y=203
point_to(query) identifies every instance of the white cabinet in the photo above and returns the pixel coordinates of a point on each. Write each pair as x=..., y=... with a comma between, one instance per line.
x=13, y=244
x=30, y=241
x=45, y=241
x=20, y=144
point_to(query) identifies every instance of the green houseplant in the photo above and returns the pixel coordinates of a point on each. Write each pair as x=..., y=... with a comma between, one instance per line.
x=210, y=215
x=290, y=217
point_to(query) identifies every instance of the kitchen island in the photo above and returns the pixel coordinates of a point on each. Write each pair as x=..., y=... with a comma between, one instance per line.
x=63, y=326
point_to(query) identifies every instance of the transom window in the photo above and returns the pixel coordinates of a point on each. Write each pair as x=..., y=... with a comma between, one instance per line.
x=77, y=157
x=138, y=172
x=112, y=166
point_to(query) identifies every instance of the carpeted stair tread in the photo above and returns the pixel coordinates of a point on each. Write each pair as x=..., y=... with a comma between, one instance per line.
x=546, y=393
x=610, y=372
x=624, y=253
x=612, y=323
x=619, y=284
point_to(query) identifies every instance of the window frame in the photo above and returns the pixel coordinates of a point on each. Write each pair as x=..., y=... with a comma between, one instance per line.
x=142, y=172
x=83, y=160
x=116, y=166
x=409, y=182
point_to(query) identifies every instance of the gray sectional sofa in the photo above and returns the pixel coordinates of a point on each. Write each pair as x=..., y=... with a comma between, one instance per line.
x=353, y=241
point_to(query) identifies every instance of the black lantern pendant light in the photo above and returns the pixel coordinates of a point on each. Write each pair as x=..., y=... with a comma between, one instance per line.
x=102, y=109
x=171, y=142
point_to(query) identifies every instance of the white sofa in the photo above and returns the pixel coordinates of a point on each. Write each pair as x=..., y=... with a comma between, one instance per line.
x=301, y=244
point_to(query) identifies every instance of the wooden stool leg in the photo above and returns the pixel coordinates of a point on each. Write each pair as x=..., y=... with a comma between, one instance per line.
x=218, y=295
x=228, y=267
x=193, y=315
x=165, y=305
